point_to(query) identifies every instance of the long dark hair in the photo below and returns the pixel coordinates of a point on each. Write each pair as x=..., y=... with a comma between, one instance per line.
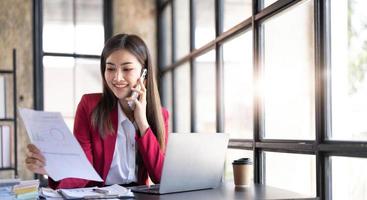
x=101, y=114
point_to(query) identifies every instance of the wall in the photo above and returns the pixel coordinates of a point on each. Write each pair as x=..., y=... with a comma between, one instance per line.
x=16, y=32
x=137, y=17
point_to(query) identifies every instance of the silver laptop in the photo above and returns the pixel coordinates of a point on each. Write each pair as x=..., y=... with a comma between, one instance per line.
x=193, y=161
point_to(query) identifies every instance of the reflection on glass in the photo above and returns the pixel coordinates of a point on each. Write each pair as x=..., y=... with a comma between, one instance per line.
x=235, y=11
x=66, y=31
x=88, y=78
x=167, y=35
x=293, y=172
x=182, y=28
x=288, y=74
x=238, y=86
x=182, y=98
x=205, y=92
x=349, y=178
x=349, y=70
x=166, y=96
x=234, y=154
x=205, y=22
x=59, y=85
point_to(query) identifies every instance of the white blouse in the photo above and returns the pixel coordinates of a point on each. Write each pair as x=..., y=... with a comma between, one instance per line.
x=122, y=169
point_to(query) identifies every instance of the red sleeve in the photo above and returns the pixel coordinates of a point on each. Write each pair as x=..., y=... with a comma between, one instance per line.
x=152, y=154
x=82, y=134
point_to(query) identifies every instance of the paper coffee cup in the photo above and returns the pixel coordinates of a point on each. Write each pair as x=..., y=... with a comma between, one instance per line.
x=242, y=172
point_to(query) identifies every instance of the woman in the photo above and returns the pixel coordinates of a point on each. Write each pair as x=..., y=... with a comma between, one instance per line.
x=124, y=144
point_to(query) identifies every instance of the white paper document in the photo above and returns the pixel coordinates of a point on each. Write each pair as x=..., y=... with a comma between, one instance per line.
x=110, y=192
x=64, y=156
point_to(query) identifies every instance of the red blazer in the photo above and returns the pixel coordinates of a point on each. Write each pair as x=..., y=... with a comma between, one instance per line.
x=100, y=151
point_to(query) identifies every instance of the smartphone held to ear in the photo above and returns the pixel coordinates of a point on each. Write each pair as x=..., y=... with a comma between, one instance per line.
x=134, y=94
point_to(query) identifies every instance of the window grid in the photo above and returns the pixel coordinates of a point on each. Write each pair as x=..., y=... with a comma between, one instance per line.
x=38, y=45
x=319, y=147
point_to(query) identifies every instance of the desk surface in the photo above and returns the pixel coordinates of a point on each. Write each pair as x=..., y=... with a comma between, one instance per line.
x=229, y=192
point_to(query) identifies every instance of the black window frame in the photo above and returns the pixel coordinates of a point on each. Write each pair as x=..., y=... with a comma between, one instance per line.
x=38, y=52
x=320, y=146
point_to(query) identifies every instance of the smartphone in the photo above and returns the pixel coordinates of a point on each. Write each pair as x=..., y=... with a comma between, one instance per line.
x=135, y=95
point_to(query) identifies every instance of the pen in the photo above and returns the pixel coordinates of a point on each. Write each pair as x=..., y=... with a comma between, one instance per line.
x=101, y=191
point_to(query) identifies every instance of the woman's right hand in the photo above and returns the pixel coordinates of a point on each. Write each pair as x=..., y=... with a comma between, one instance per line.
x=35, y=161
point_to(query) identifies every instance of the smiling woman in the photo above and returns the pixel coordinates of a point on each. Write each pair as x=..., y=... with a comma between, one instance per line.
x=123, y=144
x=125, y=56
x=122, y=72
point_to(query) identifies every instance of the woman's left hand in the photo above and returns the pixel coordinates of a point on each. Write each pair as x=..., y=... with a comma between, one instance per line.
x=140, y=115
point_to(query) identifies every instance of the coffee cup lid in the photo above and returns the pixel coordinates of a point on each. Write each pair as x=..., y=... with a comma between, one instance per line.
x=242, y=161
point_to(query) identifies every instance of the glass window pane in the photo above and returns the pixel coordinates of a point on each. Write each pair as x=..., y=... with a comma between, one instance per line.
x=349, y=178
x=205, y=92
x=182, y=28
x=235, y=11
x=167, y=35
x=182, y=98
x=204, y=21
x=89, y=12
x=58, y=27
x=238, y=86
x=234, y=154
x=66, y=31
x=349, y=70
x=88, y=78
x=69, y=121
x=294, y=172
x=89, y=29
x=58, y=85
x=288, y=67
x=268, y=3
x=167, y=96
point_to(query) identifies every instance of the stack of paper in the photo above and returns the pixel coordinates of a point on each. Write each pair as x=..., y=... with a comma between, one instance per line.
x=113, y=191
x=50, y=194
x=110, y=192
x=6, y=188
x=6, y=193
x=26, y=190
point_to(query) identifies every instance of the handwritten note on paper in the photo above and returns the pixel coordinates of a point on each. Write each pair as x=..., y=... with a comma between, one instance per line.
x=64, y=156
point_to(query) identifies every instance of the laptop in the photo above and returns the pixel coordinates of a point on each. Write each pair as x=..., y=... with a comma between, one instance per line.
x=193, y=161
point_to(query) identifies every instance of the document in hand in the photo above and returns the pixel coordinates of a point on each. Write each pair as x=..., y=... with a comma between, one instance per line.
x=113, y=191
x=64, y=156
